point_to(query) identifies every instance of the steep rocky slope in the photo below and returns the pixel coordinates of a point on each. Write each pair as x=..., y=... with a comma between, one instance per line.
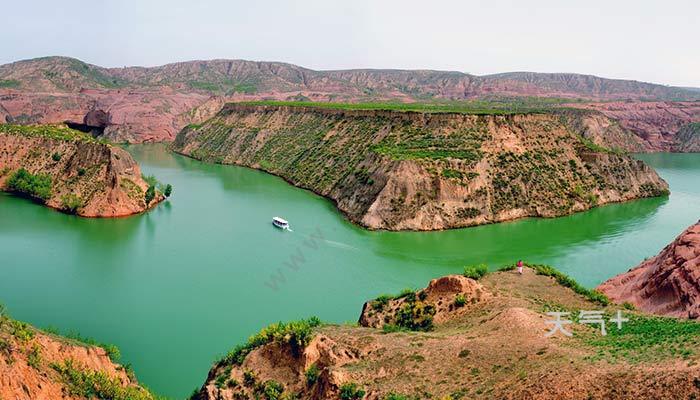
x=152, y=104
x=659, y=126
x=37, y=365
x=668, y=284
x=688, y=138
x=422, y=171
x=460, y=339
x=70, y=171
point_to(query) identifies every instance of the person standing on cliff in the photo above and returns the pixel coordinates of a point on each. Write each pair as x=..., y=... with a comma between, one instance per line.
x=520, y=267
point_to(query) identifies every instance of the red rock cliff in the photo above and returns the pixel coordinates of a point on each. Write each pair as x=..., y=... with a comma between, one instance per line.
x=668, y=284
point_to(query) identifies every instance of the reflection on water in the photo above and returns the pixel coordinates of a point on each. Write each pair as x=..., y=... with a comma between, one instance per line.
x=200, y=265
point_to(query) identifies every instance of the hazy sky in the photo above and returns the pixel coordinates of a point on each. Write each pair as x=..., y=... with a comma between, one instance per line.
x=648, y=40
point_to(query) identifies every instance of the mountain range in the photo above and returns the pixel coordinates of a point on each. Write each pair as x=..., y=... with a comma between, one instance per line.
x=142, y=104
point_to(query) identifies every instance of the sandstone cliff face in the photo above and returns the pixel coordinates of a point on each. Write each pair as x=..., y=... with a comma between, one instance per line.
x=104, y=179
x=487, y=341
x=424, y=171
x=35, y=365
x=668, y=284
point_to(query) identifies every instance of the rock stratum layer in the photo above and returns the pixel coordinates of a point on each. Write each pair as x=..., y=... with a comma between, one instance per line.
x=83, y=176
x=425, y=171
x=153, y=104
x=35, y=365
x=473, y=339
x=668, y=284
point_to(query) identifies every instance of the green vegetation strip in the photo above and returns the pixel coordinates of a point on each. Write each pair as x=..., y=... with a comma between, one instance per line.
x=647, y=338
x=57, y=132
x=507, y=106
x=95, y=384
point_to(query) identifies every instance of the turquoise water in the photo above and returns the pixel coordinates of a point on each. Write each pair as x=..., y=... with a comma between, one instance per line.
x=180, y=285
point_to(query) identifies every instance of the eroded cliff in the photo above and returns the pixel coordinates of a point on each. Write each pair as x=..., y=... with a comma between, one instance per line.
x=38, y=365
x=668, y=284
x=70, y=171
x=424, y=171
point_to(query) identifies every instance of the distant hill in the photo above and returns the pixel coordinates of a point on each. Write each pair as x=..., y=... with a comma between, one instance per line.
x=62, y=74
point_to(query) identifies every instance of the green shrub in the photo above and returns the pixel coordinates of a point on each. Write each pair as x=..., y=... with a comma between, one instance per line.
x=168, y=190
x=150, y=194
x=37, y=186
x=81, y=171
x=476, y=271
x=297, y=334
x=380, y=302
x=273, y=390
x=71, y=203
x=150, y=179
x=56, y=157
x=97, y=384
x=312, y=373
x=395, y=396
x=34, y=357
x=415, y=316
x=460, y=300
x=350, y=391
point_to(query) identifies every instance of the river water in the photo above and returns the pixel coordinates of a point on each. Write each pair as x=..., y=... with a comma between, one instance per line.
x=177, y=287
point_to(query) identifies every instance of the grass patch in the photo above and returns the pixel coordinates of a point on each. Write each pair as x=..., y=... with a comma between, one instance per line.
x=296, y=334
x=648, y=338
x=57, y=132
x=9, y=83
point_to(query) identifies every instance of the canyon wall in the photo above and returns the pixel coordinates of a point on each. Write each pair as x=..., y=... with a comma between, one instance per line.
x=425, y=171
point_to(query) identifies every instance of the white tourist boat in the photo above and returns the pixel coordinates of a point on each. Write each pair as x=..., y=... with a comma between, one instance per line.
x=280, y=223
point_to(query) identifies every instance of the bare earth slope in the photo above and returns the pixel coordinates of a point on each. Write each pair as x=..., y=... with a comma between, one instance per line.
x=104, y=179
x=489, y=344
x=668, y=284
x=424, y=171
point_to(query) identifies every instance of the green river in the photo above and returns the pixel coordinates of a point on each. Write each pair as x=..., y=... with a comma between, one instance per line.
x=177, y=287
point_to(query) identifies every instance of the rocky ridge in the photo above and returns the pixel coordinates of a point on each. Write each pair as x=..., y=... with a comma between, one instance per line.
x=153, y=104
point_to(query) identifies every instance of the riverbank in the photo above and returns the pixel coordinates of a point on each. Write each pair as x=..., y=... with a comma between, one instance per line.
x=153, y=262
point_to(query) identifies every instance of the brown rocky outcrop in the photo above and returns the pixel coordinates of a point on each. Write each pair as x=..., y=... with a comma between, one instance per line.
x=35, y=365
x=105, y=179
x=668, y=284
x=427, y=171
